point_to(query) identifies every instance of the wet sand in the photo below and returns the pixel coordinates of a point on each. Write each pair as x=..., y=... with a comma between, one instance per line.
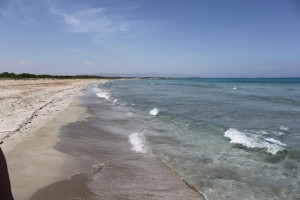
x=34, y=163
x=106, y=166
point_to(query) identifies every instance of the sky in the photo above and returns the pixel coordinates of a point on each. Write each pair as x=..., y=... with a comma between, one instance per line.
x=205, y=38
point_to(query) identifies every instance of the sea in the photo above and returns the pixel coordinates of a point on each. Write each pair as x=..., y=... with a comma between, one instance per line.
x=226, y=138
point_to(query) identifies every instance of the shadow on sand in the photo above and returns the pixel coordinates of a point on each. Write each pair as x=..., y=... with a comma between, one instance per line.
x=5, y=189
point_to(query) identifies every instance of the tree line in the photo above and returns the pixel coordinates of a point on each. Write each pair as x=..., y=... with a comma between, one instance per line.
x=7, y=75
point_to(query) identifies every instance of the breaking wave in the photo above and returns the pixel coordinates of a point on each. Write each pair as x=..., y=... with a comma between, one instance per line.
x=254, y=141
x=154, y=111
x=137, y=142
x=101, y=93
x=115, y=101
x=272, y=140
x=284, y=128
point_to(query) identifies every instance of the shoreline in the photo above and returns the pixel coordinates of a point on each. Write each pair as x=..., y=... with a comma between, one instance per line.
x=181, y=178
x=60, y=162
x=106, y=166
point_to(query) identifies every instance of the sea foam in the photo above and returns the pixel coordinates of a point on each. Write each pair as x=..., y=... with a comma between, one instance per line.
x=279, y=133
x=283, y=128
x=272, y=140
x=137, y=143
x=154, y=111
x=254, y=141
x=101, y=93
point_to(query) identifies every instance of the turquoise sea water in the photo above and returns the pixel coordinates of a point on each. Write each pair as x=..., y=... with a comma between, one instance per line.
x=228, y=138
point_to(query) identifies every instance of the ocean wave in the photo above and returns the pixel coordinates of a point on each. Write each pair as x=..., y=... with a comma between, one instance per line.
x=279, y=133
x=115, y=101
x=254, y=141
x=101, y=93
x=137, y=142
x=272, y=140
x=263, y=132
x=154, y=111
x=284, y=128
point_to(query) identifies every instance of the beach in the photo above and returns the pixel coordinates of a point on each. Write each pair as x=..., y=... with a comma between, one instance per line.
x=141, y=139
x=64, y=141
x=27, y=104
x=32, y=112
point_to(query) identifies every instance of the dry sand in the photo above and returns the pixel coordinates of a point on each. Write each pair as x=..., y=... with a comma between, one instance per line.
x=30, y=118
x=26, y=105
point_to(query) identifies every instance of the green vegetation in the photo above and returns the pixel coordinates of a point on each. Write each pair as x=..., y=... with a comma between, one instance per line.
x=7, y=75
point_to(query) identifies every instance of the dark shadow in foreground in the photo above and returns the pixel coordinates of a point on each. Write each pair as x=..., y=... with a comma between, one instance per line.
x=5, y=188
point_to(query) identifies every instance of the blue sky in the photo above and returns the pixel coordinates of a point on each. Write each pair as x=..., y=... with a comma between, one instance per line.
x=207, y=38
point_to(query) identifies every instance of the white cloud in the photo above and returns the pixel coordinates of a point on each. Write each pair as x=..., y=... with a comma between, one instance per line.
x=101, y=23
x=94, y=21
x=23, y=63
x=21, y=11
x=89, y=63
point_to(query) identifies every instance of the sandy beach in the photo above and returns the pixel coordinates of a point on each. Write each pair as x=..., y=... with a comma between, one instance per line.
x=32, y=112
x=61, y=147
x=27, y=104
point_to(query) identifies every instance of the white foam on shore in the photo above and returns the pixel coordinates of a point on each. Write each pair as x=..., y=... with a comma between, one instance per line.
x=137, y=143
x=101, y=93
x=253, y=141
x=154, y=111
